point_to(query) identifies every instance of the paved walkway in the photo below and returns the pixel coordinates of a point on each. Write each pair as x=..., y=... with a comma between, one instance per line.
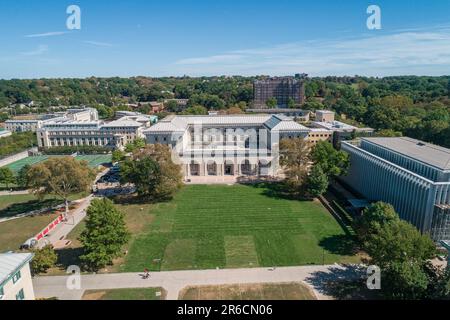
x=63, y=229
x=174, y=281
x=74, y=217
x=13, y=193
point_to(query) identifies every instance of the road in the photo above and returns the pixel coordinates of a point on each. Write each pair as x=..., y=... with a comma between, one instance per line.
x=174, y=281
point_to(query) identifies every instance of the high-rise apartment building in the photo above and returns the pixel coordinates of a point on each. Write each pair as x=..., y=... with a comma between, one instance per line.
x=283, y=89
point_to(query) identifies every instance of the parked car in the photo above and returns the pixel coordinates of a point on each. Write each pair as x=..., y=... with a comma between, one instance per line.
x=29, y=244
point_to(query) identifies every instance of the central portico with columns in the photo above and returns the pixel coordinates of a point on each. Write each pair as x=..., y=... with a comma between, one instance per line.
x=225, y=145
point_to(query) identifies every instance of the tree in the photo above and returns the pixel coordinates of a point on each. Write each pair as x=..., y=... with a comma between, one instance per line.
x=317, y=182
x=388, y=133
x=291, y=103
x=105, y=234
x=383, y=117
x=43, y=259
x=172, y=106
x=399, y=249
x=135, y=144
x=272, y=102
x=295, y=158
x=62, y=177
x=22, y=176
x=405, y=280
x=196, y=110
x=118, y=155
x=334, y=163
x=153, y=172
x=6, y=176
x=234, y=110
x=399, y=241
x=374, y=218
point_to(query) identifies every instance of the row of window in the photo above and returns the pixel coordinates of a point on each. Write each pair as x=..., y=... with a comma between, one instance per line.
x=15, y=278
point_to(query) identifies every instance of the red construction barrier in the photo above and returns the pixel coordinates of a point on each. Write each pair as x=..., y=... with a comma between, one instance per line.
x=49, y=227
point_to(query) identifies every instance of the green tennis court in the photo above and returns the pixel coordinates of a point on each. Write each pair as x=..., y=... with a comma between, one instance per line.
x=96, y=159
x=16, y=166
x=92, y=160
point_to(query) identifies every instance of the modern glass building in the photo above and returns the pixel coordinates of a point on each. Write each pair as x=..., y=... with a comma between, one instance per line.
x=412, y=175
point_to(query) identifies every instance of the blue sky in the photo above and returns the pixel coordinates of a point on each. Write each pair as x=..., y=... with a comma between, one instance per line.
x=223, y=37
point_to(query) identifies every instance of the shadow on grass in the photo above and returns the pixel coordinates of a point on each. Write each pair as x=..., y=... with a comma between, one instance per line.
x=68, y=257
x=135, y=199
x=343, y=283
x=278, y=190
x=33, y=205
x=340, y=245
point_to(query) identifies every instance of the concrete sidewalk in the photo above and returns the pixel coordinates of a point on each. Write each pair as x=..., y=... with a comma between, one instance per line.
x=13, y=193
x=174, y=281
x=63, y=229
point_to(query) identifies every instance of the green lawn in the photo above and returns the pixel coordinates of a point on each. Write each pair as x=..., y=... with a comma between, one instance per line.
x=13, y=205
x=125, y=294
x=256, y=291
x=207, y=227
x=14, y=232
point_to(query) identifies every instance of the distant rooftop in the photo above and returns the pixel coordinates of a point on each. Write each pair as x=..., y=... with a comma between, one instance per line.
x=272, y=122
x=325, y=111
x=122, y=122
x=334, y=125
x=427, y=153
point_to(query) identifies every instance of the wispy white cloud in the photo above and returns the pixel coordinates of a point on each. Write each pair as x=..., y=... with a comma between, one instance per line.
x=404, y=52
x=98, y=44
x=212, y=59
x=47, y=34
x=41, y=49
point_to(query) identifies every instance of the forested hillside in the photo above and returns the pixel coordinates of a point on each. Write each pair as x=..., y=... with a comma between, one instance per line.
x=415, y=106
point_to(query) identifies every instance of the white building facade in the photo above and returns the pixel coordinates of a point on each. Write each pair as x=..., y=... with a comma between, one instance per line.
x=15, y=276
x=412, y=175
x=87, y=130
x=225, y=145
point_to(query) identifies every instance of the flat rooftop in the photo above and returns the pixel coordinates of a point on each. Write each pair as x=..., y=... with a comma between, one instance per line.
x=427, y=153
x=272, y=122
x=335, y=125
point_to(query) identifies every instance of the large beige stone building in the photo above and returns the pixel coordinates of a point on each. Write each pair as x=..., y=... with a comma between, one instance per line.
x=225, y=145
x=15, y=276
x=65, y=131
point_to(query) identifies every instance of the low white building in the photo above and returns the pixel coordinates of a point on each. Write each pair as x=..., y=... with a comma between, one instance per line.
x=15, y=276
x=23, y=125
x=341, y=131
x=75, y=114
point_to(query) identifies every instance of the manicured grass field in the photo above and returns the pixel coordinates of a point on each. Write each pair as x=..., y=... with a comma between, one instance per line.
x=258, y=291
x=125, y=294
x=207, y=227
